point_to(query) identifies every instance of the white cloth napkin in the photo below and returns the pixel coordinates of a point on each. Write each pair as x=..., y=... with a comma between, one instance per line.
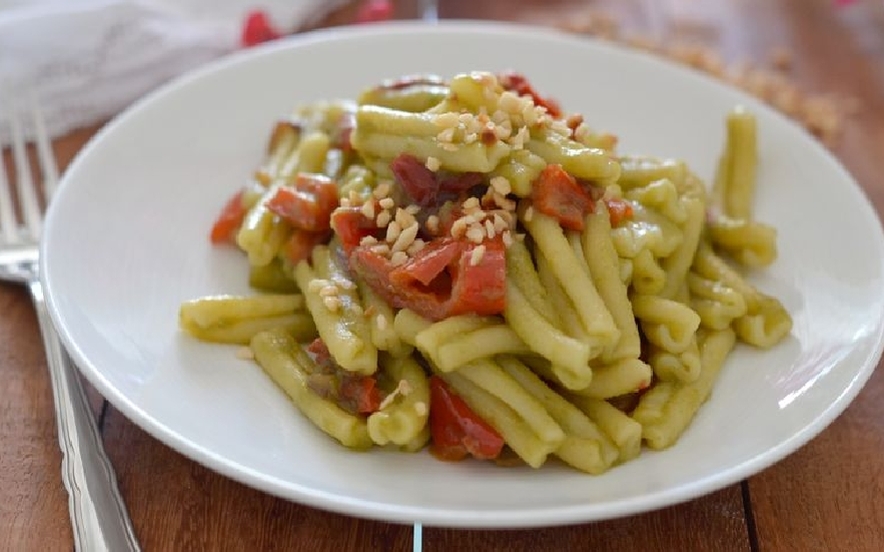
x=85, y=60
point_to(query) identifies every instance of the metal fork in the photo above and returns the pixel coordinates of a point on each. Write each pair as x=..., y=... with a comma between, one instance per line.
x=98, y=515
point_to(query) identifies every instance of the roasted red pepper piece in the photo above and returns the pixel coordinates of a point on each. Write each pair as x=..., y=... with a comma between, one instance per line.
x=457, y=431
x=308, y=204
x=517, y=83
x=557, y=194
x=359, y=394
x=229, y=220
x=618, y=210
x=462, y=287
x=351, y=225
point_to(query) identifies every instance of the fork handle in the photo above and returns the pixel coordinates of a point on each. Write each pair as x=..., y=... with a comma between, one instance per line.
x=98, y=514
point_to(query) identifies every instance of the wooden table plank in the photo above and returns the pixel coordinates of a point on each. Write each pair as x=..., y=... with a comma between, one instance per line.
x=713, y=523
x=32, y=499
x=828, y=495
x=177, y=504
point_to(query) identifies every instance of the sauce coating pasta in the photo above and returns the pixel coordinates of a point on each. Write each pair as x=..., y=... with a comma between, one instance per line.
x=461, y=264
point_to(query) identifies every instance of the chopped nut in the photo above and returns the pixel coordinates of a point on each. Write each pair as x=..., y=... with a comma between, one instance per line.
x=416, y=246
x=476, y=233
x=499, y=224
x=368, y=209
x=476, y=255
x=420, y=408
x=332, y=303
x=458, y=228
x=433, y=164
x=489, y=229
x=471, y=203
x=518, y=141
x=507, y=238
x=406, y=237
x=398, y=258
x=393, y=231
x=446, y=135
x=529, y=214
x=501, y=185
x=328, y=291
x=447, y=120
x=381, y=322
x=404, y=218
x=382, y=190
x=383, y=219
x=433, y=224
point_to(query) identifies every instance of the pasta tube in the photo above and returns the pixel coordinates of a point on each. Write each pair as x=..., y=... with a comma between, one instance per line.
x=403, y=414
x=341, y=327
x=280, y=356
x=514, y=429
x=584, y=446
x=601, y=259
x=686, y=400
x=231, y=319
x=735, y=180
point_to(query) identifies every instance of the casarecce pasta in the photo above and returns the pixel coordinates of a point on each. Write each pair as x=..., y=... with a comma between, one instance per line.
x=459, y=264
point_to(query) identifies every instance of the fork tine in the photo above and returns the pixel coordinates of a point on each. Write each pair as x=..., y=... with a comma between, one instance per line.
x=7, y=214
x=45, y=154
x=27, y=196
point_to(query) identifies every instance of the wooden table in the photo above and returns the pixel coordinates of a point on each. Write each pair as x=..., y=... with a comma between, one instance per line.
x=827, y=496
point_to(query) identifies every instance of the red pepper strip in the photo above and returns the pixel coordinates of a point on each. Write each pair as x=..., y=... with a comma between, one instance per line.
x=517, y=83
x=416, y=179
x=350, y=225
x=557, y=194
x=307, y=205
x=481, y=287
x=300, y=246
x=463, y=287
x=359, y=394
x=426, y=188
x=618, y=210
x=320, y=352
x=457, y=431
x=428, y=263
x=229, y=220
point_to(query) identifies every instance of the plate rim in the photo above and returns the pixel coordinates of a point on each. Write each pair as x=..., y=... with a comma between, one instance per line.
x=463, y=518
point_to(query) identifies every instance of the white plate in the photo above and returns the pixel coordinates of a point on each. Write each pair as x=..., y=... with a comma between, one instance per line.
x=126, y=242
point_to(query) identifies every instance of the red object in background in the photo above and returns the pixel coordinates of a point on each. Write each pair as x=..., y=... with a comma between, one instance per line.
x=257, y=29
x=373, y=11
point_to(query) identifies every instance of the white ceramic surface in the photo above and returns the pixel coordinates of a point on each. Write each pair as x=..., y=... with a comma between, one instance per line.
x=126, y=243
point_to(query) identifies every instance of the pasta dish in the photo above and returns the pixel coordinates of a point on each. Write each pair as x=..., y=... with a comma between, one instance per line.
x=461, y=264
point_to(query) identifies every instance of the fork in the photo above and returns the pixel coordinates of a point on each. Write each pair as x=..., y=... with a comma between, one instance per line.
x=98, y=515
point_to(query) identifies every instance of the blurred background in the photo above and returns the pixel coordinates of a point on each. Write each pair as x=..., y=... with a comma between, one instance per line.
x=87, y=59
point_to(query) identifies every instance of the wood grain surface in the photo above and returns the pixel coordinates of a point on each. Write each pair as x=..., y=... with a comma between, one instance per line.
x=827, y=496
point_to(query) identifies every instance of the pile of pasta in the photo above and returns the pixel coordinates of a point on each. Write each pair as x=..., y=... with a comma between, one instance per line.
x=578, y=326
